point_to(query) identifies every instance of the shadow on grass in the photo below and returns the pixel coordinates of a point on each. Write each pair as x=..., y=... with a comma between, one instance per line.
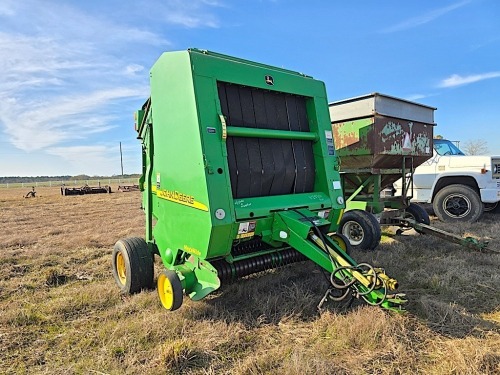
x=449, y=288
x=271, y=296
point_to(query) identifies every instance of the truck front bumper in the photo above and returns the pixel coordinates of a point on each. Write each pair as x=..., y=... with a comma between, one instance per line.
x=491, y=193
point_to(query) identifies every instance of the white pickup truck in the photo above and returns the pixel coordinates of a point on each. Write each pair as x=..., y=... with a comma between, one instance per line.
x=460, y=187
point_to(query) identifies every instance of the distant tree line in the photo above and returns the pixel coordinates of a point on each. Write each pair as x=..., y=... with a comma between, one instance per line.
x=17, y=179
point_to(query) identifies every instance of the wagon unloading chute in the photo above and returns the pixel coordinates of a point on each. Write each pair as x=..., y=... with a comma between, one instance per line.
x=240, y=175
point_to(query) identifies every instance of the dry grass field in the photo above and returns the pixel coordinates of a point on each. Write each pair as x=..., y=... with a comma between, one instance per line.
x=62, y=314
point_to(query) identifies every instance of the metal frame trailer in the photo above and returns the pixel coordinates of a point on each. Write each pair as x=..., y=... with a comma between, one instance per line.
x=381, y=139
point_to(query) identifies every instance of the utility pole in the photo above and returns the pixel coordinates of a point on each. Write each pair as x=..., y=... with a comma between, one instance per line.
x=121, y=158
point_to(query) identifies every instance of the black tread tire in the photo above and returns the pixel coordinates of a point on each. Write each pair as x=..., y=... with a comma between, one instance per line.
x=359, y=223
x=377, y=234
x=417, y=213
x=464, y=194
x=138, y=264
x=178, y=291
x=492, y=208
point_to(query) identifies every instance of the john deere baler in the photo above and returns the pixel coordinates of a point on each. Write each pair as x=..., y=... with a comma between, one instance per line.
x=239, y=175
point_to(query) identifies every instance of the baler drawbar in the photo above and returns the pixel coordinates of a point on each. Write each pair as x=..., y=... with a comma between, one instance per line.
x=239, y=175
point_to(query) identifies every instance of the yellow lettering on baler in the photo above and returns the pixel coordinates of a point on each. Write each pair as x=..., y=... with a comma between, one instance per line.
x=192, y=250
x=181, y=198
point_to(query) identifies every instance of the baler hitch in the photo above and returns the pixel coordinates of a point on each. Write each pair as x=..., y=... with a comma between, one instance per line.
x=359, y=281
x=362, y=280
x=468, y=242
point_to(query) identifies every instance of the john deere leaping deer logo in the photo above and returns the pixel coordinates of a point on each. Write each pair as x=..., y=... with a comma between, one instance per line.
x=269, y=80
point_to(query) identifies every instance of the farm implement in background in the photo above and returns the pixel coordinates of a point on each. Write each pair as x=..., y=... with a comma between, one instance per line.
x=85, y=189
x=31, y=193
x=240, y=175
x=128, y=188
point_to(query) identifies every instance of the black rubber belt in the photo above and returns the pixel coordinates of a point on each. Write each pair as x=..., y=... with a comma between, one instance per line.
x=263, y=167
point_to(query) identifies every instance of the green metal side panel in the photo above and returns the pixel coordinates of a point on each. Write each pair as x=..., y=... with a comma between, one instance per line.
x=181, y=203
x=217, y=173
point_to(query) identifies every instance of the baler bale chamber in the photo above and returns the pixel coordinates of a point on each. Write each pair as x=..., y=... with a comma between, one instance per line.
x=379, y=139
x=240, y=175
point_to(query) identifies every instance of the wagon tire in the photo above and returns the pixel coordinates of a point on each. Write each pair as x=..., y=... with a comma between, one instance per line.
x=459, y=203
x=418, y=213
x=361, y=229
x=132, y=265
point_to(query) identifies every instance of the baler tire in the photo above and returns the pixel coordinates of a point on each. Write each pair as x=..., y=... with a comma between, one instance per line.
x=170, y=290
x=417, y=213
x=357, y=226
x=132, y=265
x=342, y=241
x=462, y=197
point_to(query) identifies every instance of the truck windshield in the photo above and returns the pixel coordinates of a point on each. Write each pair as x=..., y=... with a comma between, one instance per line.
x=445, y=147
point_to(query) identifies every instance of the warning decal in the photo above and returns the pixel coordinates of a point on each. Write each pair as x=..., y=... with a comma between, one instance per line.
x=329, y=142
x=246, y=229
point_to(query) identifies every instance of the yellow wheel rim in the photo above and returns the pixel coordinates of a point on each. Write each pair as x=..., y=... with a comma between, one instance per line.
x=121, y=268
x=165, y=291
x=339, y=241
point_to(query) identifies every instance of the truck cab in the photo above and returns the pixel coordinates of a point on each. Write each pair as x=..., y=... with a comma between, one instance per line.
x=460, y=187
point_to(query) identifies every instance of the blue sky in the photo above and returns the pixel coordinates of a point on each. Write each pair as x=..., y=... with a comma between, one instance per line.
x=73, y=72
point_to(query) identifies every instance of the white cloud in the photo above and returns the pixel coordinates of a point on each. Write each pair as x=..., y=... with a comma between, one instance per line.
x=7, y=8
x=190, y=21
x=69, y=77
x=91, y=160
x=425, y=18
x=415, y=97
x=133, y=68
x=457, y=80
x=190, y=14
x=58, y=81
x=48, y=123
x=76, y=154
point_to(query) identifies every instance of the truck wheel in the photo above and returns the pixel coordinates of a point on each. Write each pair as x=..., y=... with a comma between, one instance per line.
x=132, y=265
x=170, y=290
x=458, y=203
x=492, y=208
x=417, y=213
x=362, y=231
